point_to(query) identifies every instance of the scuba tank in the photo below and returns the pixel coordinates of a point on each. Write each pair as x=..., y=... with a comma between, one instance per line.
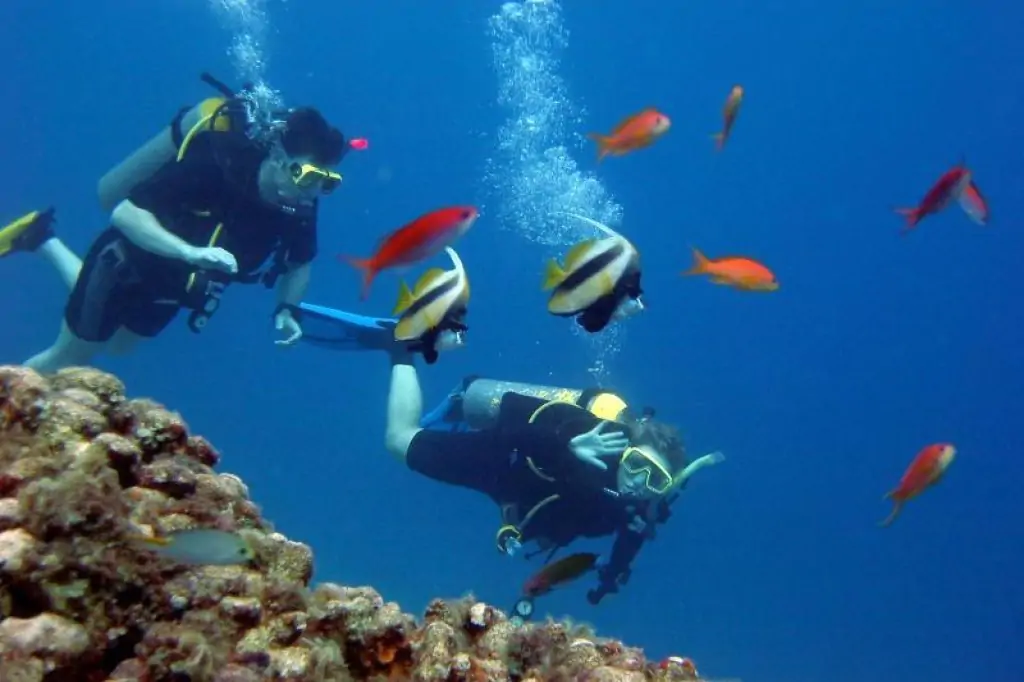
x=481, y=400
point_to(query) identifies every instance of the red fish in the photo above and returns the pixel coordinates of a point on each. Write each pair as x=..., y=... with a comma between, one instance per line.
x=635, y=132
x=948, y=187
x=360, y=144
x=926, y=470
x=422, y=238
x=974, y=204
x=562, y=571
x=732, y=108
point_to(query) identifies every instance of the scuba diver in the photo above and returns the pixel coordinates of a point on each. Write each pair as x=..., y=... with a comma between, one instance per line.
x=211, y=200
x=561, y=464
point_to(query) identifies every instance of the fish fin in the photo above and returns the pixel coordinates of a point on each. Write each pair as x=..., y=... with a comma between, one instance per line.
x=405, y=299
x=425, y=280
x=594, y=223
x=603, y=145
x=700, y=263
x=553, y=275
x=913, y=216
x=149, y=539
x=897, y=507
x=719, y=139
x=576, y=254
x=368, y=268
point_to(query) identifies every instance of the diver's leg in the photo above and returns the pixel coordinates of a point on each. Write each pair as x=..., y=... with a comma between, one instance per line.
x=67, y=351
x=405, y=405
x=124, y=342
x=64, y=260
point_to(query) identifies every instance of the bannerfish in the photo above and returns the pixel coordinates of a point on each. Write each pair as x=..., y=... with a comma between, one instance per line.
x=599, y=281
x=559, y=572
x=431, y=315
x=200, y=547
x=422, y=238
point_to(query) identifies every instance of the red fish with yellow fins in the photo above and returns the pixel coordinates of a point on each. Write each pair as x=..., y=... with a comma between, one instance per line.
x=729, y=112
x=424, y=237
x=634, y=132
x=925, y=471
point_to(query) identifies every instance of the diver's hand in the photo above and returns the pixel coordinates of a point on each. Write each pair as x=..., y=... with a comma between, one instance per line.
x=589, y=447
x=211, y=258
x=284, y=322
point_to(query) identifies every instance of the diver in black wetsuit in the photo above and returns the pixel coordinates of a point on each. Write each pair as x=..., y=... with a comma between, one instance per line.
x=557, y=470
x=205, y=204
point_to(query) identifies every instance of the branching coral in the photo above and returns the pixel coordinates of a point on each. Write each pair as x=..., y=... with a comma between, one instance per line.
x=83, y=469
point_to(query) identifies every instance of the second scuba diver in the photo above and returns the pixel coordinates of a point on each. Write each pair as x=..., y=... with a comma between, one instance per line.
x=209, y=201
x=561, y=464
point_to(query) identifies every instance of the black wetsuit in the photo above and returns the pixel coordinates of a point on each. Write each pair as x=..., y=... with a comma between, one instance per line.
x=497, y=462
x=215, y=183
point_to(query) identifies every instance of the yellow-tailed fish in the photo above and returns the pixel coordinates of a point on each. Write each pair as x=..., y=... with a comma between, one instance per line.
x=200, y=546
x=431, y=314
x=598, y=282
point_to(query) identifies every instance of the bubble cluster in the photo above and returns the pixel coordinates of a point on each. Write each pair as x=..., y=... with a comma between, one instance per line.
x=248, y=23
x=532, y=175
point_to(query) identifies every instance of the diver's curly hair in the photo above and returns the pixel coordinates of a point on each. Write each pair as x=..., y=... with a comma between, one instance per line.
x=662, y=437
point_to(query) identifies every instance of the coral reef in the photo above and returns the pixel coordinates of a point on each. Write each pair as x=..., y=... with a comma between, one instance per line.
x=83, y=469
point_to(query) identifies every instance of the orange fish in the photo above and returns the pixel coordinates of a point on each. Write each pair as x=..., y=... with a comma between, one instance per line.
x=734, y=271
x=926, y=470
x=732, y=108
x=635, y=132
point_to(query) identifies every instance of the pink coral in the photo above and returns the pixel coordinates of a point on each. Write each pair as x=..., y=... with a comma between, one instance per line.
x=83, y=468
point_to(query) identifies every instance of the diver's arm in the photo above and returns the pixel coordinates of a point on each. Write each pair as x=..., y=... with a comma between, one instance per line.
x=292, y=286
x=405, y=405
x=143, y=229
x=616, y=571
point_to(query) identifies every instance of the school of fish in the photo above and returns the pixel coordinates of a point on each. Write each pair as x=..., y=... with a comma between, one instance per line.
x=598, y=281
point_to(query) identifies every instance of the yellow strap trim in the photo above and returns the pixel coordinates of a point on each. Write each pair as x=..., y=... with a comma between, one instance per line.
x=213, y=240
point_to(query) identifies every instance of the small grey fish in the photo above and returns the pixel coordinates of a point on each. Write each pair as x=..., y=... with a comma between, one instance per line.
x=201, y=546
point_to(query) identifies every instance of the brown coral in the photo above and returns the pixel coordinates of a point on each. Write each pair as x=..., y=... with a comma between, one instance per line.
x=83, y=467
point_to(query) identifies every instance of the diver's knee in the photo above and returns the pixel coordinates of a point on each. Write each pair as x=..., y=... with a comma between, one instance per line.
x=123, y=342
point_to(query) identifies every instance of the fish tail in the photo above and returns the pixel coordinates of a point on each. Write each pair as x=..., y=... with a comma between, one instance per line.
x=700, y=263
x=897, y=507
x=367, y=266
x=913, y=216
x=602, y=144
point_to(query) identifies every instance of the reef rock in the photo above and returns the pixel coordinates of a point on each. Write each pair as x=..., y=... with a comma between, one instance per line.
x=84, y=468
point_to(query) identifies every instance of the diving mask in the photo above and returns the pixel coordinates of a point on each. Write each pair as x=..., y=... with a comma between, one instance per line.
x=636, y=461
x=306, y=175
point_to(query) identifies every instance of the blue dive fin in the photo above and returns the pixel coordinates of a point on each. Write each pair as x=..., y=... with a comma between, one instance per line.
x=340, y=330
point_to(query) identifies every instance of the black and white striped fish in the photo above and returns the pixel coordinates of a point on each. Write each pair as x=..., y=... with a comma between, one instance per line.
x=599, y=281
x=432, y=311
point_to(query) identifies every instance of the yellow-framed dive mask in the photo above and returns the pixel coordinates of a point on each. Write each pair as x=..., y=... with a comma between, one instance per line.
x=306, y=175
x=636, y=461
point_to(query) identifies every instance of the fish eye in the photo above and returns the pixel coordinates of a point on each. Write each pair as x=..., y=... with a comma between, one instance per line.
x=466, y=215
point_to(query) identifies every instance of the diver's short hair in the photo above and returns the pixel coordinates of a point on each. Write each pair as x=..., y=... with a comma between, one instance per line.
x=662, y=437
x=307, y=133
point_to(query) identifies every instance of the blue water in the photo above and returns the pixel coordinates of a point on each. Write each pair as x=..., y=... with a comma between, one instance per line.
x=772, y=568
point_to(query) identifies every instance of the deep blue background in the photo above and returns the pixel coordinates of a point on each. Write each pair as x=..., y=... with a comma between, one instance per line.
x=820, y=394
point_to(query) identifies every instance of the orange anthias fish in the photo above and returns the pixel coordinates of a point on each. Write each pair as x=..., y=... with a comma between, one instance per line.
x=948, y=187
x=732, y=108
x=635, y=132
x=735, y=271
x=562, y=571
x=926, y=470
x=422, y=238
